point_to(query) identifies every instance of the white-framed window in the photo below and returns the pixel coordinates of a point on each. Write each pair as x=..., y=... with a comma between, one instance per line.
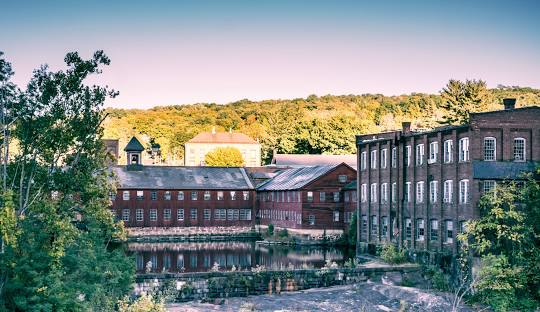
x=407, y=192
x=112, y=196
x=336, y=216
x=384, y=227
x=448, y=151
x=490, y=149
x=207, y=214
x=309, y=196
x=374, y=159
x=408, y=151
x=342, y=178
x=383, y=158
x=433, y=152
x=363, y=193
x=153, y=214
x=364, y=224
x=207, y=195
x=180, y=195
x=394, y=192
x=420, y=229
x=420, y=152
x=193, y=214
x=394, y=157
x=125, y=215
x=233, y=195
x=463, y=191
x=180, y=214
x=448, y=231
x=434, y=230
x=140, y=195
x=245, y=214
x=221, y=214
x=374, y=225
x=153, y=195
x=384, y=192
x=489, y=185
x=464, y=149
x=220, y=195
x=420, y=192
x=311, y=220
x=194, y=195
x=245, y=195
x=336, y=197
x=363, y=160
x=433, y=191
x=139, y=215
x=408, y=228
x=322, y=197
x=125, y=195
x=519, y=149
x=448, y=191
x=167, y=195
x=373, y=193
x=167, y=214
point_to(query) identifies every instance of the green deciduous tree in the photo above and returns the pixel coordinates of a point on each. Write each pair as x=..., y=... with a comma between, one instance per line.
x=224, y=157
x=462, y=98
x=61, y=243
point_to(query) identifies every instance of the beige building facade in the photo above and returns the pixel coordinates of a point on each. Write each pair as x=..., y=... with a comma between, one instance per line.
x=205, y=142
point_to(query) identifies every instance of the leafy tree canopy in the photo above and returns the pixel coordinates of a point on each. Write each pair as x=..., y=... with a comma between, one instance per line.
x=224, y=157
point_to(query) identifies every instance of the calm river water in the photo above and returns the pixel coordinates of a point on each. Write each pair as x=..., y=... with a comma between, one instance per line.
x=200, y=257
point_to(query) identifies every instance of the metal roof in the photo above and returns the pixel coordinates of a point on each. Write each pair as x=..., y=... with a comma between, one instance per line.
x=500, y=170
x=350, y=186
x=168, y=177
x=302, y=160
x=134, y=145
x=295, y=178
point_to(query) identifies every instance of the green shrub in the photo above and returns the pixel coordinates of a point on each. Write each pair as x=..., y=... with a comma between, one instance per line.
x=283, y=233
x=270, y=230
x=389, y=253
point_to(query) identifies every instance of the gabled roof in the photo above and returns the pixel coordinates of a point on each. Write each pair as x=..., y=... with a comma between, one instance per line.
x=302, y=160
x=223, y=138
x=173, y=177
x=296, y=178
x=134, y=146
x=501, y=170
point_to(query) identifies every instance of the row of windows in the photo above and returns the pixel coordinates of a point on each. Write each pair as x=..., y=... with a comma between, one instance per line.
x=420, y=154
x=281, y=215
x=420, y=192
x=490, y=149
x=224, y=260
x=420, y=228
x=350, y=196
x=219, y=214
x=167, y=195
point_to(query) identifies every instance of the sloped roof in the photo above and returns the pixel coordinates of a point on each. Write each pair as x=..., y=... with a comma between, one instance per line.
x=500, y=170
x=173, y=177
x=302, y=160
x=295, y=178
x=134, y=146
x=223, y=138
x=350, y=186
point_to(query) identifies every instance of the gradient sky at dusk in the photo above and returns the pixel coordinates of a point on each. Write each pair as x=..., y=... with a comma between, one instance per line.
x=180, y=52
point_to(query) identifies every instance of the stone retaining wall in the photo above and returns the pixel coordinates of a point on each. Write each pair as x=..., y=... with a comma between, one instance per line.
x=211, y=285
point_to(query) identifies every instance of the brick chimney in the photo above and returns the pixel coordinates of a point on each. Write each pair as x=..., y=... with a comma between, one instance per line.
x=509, y=103
x=406, y=127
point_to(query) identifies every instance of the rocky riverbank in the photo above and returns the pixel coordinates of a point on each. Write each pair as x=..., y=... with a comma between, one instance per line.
x=365, y=296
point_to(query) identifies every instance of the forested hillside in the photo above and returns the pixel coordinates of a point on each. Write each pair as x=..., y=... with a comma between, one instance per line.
x=325, y=124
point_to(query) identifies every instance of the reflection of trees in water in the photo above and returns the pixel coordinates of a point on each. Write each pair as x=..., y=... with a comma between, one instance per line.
x=198, y=257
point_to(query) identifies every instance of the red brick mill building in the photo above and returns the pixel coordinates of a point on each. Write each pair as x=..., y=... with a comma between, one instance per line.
x=418, y=188
x=171, y=196
x=305, y=200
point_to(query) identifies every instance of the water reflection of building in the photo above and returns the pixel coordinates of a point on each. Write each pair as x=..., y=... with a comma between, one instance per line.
x=200, y=257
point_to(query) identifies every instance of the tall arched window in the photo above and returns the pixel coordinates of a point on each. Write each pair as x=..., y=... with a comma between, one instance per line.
x=519, y=149
x=490, y=149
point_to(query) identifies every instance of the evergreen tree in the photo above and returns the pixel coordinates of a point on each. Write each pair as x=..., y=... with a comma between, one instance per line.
x=462, y=98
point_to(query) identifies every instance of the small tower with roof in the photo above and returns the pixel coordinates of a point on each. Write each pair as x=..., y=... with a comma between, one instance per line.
x=134, y=151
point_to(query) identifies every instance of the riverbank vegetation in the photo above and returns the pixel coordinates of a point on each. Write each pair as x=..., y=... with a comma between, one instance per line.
x=60, y=247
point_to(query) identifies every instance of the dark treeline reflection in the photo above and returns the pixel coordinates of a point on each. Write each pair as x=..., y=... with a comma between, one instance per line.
x=201, y=257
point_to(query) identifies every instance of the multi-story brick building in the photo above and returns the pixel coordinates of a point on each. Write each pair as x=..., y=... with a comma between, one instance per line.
x=196, y=149
x=418, y=188
x=307, y=198
x=167, y=196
